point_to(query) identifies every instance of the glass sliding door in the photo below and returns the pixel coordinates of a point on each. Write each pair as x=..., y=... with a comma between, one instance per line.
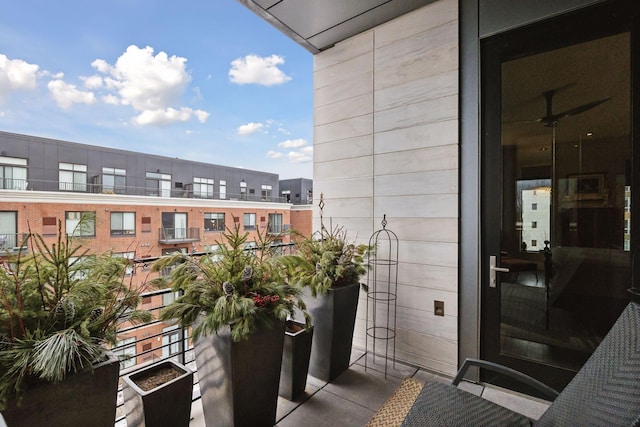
x=558, y=166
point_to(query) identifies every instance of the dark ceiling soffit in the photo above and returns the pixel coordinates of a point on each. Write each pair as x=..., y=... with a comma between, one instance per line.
x=258, y=10
x=364, y=21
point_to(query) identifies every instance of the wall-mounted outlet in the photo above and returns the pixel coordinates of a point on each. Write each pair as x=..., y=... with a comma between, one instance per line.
x=438, y=308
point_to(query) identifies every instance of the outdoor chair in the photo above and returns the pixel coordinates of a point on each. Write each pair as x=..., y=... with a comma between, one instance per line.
x=605, y=392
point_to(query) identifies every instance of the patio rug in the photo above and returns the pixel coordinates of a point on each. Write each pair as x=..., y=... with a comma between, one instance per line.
x=395, y=409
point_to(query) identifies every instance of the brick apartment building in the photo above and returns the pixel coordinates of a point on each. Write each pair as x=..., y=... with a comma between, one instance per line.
x=138, y=206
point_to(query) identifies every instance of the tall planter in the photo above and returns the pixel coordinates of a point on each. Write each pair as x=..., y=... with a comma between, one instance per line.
x=83, y=399
x=295, y=361
x=239, y=380
x=167, y=404
x=334, y=317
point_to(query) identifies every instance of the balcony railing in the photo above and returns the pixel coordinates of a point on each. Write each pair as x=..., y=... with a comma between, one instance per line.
x=277, y=228
x=174, y=344
x=13, y=184
x=157, y=340
x=178, y=235
x=13, y=243
x=81, y=187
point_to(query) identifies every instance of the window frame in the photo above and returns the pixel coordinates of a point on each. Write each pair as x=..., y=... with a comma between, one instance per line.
x=244, y=221
x=219, y=226
x=84, y=216
x=123, y=231
x=76, y=177
x=119, y=177
x=207, y=184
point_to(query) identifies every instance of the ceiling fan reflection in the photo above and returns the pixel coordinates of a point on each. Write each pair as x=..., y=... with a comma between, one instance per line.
x=551, y=120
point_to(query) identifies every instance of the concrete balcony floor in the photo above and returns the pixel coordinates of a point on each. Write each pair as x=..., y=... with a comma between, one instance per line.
x=354, y=397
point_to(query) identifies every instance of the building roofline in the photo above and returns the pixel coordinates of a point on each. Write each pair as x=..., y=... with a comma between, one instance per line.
x=126, y=200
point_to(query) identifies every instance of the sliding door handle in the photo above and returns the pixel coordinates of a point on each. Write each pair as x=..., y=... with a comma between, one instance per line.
x=493, y=269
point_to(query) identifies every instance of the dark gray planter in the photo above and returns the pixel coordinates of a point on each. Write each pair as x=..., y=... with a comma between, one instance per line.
x=334, y=317
x=295, y=362
x=82, y=399
x=168, y=404
x=239, y=380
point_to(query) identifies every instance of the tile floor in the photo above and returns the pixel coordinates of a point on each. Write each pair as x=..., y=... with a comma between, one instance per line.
x=354, y=397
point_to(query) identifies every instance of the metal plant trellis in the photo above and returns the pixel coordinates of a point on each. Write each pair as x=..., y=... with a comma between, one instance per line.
x=382, y=288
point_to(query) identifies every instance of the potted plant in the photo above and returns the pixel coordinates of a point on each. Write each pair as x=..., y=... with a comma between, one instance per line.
x=332, y=269
x=236, y=301
x=60, y=308
x=147, y=391
x=295, y=359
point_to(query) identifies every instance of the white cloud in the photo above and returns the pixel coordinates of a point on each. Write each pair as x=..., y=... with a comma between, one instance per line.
x=249, y=128
x=254, y=69
x=284, y=131
x=66, y=94
x=92, y=82
x=303, y=154
x=16, y=74
x=274, y=155
x=151, y=84
x=298, y=157
x=201, y=115
x=111, y=99
x=293, y=143
x=168, y=116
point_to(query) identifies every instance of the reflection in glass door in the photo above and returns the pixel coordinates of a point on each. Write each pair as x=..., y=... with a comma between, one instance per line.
x=566, y=187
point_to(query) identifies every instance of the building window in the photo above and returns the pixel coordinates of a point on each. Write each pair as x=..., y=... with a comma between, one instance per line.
x=146, y=224
x=223, y=190
x=534, y=206
x=203, y=188
x=243, y=190
x=9, y=230
x=275, y=223
x=168, y=298
x=126, y=352
x=114, y=180
x=534, y=243
x=72, y=177
x=170, y=341
x=266, y=192
x=123, y=223
x=213, y=221
x=80, y=224
x=158, y=184
x=49, y=226
x=286, y=195
x=13, y=173
x=249, y=221
x=129, y=256
x=534, y=224
x=214, y=252
x=174, y=225
x=79, y=267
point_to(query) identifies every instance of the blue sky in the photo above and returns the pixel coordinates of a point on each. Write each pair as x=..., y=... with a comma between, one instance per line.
x=204, y=80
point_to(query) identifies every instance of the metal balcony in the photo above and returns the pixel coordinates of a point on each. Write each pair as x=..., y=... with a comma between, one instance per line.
x=168, y=236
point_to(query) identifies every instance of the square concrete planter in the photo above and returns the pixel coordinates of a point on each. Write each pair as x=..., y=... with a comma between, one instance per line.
x=83, y=399
x=239, y=380
x=167, y=404
x=295, y=360
x=334, y=317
